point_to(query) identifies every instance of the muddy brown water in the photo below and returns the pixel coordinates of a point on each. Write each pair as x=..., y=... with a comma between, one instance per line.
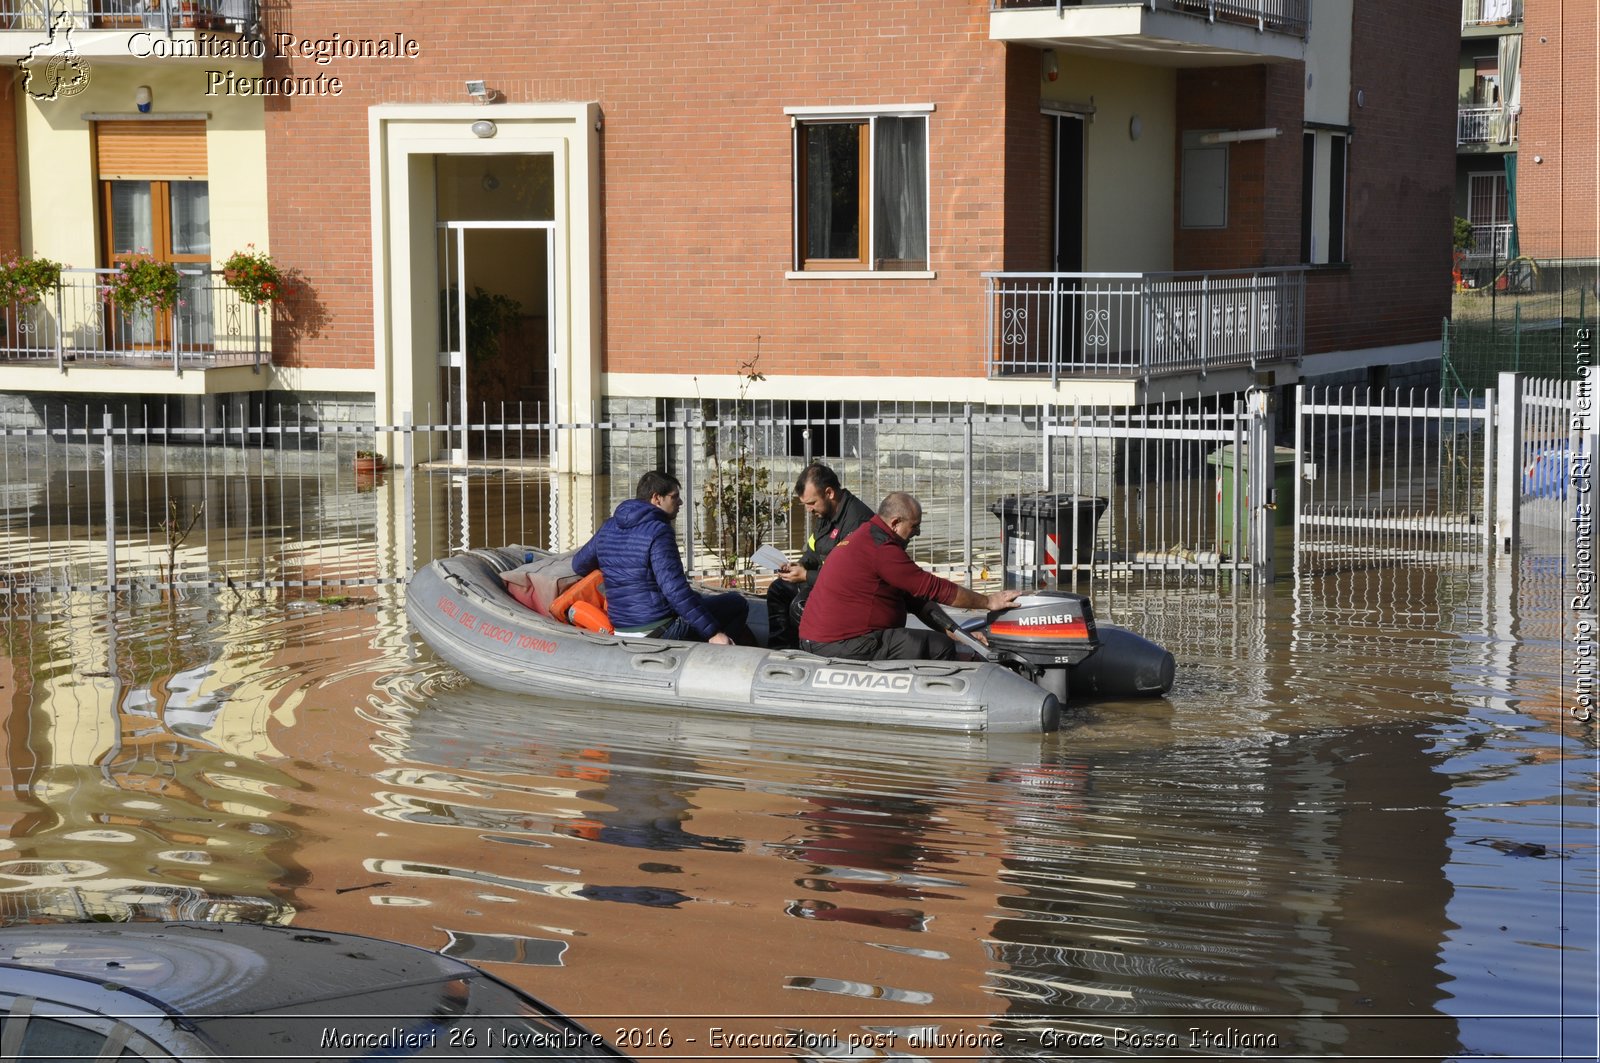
x=1362, y=825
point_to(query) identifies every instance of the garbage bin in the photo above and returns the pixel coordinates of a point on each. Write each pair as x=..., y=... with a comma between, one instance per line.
x=1039, y=533
x=1230, y=468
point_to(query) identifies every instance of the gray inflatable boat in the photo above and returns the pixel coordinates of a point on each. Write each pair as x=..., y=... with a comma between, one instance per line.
x=463, y=609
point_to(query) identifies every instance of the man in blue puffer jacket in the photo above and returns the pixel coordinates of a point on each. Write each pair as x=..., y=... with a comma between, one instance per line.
x=646, y=590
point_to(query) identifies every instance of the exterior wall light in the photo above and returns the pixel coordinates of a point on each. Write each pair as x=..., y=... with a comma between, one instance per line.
x=1135, y=128
x=1050, y=66
x=142, y=99
x=484, y=128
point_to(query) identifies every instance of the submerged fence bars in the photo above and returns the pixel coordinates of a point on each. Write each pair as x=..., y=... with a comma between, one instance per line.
x=1195, y=491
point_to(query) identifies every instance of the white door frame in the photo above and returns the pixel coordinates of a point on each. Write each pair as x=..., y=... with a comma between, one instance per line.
x=404, y=139
x=456, y=245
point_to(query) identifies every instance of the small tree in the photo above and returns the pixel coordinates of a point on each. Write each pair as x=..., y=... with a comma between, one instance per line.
x=1462, y=236
x=737, y=499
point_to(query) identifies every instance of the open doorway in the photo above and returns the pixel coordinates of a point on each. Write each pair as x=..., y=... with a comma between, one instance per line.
x=1068, y=243
x=496, y=250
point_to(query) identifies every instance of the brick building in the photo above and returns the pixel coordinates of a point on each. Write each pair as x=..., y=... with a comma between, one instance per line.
x=1528, y=169
x=607, y=207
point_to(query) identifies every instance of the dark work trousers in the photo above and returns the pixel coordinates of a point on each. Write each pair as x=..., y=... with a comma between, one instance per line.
x=891, y=644
x=783, y=629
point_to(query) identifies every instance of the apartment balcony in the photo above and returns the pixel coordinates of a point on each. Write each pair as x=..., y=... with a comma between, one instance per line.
x=1490, y=17
x=75, y=327
x=1486, y=129
x=124, y=29
x=1182, y=33
x=1122, y=325
x=1491, y=244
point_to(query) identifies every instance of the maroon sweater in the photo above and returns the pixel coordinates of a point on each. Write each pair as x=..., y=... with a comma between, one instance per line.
x=866, y=586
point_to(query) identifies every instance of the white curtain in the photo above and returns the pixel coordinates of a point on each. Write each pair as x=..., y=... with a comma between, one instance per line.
x=900, y=207
x=1510, y=87
x=191, y=218
x=131, y=224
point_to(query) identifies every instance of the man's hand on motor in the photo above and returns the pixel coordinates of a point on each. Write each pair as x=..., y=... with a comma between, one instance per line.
x=1001, y=599
x=719, y=639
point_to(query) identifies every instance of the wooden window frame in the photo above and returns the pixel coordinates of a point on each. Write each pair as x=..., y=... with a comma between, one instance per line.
x=160, y=241
x=863, y=197
x=865, y=119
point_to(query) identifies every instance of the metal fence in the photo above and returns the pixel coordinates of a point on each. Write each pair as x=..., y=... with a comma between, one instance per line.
x=210, y=325
x=1188, y=492
x=162, y=15
x=117, y=499
x=1281, y=16
x=1388, y=476
x=1521, y=317
x=1141, y=324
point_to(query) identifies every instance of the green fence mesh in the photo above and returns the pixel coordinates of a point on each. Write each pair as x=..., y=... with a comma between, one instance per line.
x=1524, y=319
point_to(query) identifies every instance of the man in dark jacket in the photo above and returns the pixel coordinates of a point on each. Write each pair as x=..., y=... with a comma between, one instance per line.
x=838, y=513
x=858, y=608
x=646, y=590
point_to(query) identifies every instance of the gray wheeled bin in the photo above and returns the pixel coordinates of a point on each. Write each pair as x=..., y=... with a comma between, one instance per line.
x=1039, y=533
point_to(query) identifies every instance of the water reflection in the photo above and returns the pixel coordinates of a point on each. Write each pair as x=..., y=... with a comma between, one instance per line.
x=1358, y=823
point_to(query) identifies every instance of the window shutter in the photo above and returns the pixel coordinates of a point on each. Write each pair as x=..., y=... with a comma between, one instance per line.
x=155, y=150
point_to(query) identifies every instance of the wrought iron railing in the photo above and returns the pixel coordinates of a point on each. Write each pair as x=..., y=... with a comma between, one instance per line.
x=76, y=323
x=1490, y=13
x=1291, y=17
x=238, y=16
x=1140, y=324
x=1485, y=125
x=1490, y=243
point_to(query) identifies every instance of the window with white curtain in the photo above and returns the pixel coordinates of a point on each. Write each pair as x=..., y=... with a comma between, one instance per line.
x=861, y=189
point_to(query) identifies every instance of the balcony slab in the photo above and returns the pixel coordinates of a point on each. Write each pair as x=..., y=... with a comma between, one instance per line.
x=1132, y=33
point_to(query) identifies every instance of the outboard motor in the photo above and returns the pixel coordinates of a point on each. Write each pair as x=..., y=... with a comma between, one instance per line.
x=1043, y=635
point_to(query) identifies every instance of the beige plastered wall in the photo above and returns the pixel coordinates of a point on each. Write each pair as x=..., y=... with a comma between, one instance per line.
x=1328, y=63
x=1128, y=184
x=60, y=205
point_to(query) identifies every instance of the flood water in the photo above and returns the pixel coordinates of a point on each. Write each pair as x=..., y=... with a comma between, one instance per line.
x=1362, y=825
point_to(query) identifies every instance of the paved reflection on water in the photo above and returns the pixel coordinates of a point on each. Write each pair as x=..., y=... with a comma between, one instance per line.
x=1363, y=820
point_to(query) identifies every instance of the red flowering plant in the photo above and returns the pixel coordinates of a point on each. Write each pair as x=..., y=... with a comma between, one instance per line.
x=142, y=282
x=254, y=275
x=25, y=281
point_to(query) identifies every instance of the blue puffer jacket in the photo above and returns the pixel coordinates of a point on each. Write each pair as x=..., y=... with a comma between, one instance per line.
x=645, y=583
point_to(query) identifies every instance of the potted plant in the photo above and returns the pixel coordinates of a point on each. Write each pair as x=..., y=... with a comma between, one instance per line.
x=141, y=282
x=369, y=463
x=26, y=281
x=254, y=275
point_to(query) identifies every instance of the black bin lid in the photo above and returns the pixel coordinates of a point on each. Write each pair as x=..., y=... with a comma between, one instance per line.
x=1058, y=504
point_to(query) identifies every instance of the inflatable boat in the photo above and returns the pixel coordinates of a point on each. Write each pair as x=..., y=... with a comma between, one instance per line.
x=501, y=618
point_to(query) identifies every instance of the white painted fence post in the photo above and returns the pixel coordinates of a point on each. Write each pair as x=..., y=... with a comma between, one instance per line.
x=1506, y=518
x=1262, y=471
x=111, y=509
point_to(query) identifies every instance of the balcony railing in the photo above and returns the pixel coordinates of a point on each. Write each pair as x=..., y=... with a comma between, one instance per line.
x=75, y=325
x=1485, y=125
x=1291, y=17
x=1142, y=324
x=1475, y=13
x=239, y=16
x=1490, y=243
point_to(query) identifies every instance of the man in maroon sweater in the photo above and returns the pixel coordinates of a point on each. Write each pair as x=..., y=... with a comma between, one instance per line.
x=859, y=604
